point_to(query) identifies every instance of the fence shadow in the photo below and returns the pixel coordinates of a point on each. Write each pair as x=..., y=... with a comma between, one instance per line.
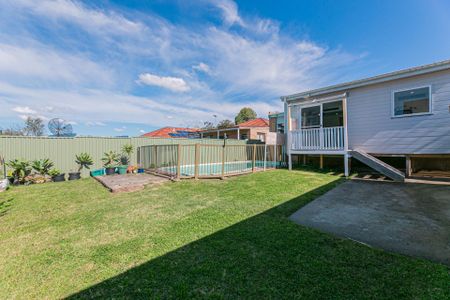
x=265, y=256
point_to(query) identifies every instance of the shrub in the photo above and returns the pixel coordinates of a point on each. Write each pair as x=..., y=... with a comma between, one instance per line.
x=54, y=172
x=42, y=166
x=83, y=160
x=127, y=150
x=110, y=159
x=21, y=169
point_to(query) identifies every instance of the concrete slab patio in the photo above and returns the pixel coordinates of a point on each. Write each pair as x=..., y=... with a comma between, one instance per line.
x=412, y=219
x=129, y=182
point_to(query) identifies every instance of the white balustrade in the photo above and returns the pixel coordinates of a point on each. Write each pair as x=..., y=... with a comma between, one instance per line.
x=330, y=138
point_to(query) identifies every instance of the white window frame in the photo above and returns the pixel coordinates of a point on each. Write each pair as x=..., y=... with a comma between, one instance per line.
x=430, y=104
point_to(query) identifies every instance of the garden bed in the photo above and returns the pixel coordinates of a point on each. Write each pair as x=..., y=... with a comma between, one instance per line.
x=129, y=182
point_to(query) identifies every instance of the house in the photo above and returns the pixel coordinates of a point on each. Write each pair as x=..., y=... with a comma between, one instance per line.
x=403, y=114
x=173, y=132
x=256, y=129
x=276, y=122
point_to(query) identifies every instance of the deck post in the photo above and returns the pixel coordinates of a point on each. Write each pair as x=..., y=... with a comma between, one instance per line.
x=408, y=166
x=346, y=148
x=321, y=161
x=179, y=162
x=346, y=165
x=304, y=159
x=223, y=161
x=290, y=161
x=196, y=160
x=254, y=158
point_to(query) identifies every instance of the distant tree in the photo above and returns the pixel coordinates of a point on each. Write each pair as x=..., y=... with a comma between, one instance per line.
x=208, y=126
x=12, y=130
x=225, y=124
x=34, y=126
x=244, y=115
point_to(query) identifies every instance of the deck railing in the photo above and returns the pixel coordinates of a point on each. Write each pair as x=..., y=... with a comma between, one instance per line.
x=330, y=138
x=209, y=161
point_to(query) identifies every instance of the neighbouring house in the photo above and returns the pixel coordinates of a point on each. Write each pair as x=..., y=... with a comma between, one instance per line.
x=403, y=115
x=173, y=132
x=276, y=122
x=256, y=129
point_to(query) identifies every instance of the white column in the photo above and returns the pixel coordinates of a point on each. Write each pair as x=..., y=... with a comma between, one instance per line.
x=290, y=161
x=346, y=166
x=238, y=134
x=218, y=134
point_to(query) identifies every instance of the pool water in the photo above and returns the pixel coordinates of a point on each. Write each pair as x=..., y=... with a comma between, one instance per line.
x=235, y=167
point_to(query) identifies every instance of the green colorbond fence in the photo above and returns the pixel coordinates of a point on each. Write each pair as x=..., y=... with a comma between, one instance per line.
x=62, y=151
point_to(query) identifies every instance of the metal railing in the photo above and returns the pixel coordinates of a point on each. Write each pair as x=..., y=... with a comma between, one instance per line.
x=209, y=161
x=330, y=138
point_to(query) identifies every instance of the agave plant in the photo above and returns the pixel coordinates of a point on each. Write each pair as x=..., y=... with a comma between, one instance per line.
x=20, y=170
x=83, y=160
x=42, y=166
x=110, y=159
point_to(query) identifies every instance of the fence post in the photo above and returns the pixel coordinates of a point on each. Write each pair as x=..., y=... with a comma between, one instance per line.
x=223, y=161
x=254, y=158
x=179, y=162
x=156, y=157
x=197, y=159
x=265, y=156
x=275, y=156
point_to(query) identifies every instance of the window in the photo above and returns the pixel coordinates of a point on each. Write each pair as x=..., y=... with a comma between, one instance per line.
x=410, y=102
x=311, y=117
x=261, y=136
x=333, y=115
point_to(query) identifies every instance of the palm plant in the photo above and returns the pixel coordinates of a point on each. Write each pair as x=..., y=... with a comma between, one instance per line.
x=42, y=166
x=110, y=159
x=127, y=150
x=21, y=169
x=83, y=160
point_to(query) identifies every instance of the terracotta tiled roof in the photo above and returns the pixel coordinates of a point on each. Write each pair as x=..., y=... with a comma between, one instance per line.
x=166, y=131
x=259, y=122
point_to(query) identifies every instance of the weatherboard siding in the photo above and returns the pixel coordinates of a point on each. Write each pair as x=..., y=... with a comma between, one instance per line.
x=372, y=128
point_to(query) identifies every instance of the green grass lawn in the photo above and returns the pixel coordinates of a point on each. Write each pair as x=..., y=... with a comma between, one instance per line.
x=202, y=239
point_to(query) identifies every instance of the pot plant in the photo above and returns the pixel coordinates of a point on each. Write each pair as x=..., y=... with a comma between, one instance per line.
x=127, y=150
x=83, y=160
x=56, y=175
x=42, y=168
x=20, y=170
x=110, y=160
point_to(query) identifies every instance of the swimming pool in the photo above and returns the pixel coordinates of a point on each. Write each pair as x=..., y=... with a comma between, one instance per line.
x=215, y=169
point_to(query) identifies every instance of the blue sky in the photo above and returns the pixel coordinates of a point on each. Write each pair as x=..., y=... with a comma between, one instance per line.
x=127, y=67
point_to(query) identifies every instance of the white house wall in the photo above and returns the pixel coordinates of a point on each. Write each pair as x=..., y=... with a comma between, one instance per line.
x=372, y=128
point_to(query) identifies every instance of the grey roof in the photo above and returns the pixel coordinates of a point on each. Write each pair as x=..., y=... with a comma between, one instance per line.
x=438, y=66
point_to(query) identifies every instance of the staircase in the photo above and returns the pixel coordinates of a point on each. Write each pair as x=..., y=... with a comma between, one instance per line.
x=378, y=165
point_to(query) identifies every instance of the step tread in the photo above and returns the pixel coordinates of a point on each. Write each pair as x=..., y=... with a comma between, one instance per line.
x=378, y=165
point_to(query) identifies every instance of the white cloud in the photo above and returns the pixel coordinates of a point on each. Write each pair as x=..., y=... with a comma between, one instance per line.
x=250, y=65
x=91, y=19
x=96, y=123
x=202, y=67
x=24, y=110
x=171, y=83
x=142, y=131
x=121, y=129
x=43, y=63
x=229, y=11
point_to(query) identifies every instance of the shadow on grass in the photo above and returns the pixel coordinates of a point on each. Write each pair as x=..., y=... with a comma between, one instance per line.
x=5, y=205
x=268, y=256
